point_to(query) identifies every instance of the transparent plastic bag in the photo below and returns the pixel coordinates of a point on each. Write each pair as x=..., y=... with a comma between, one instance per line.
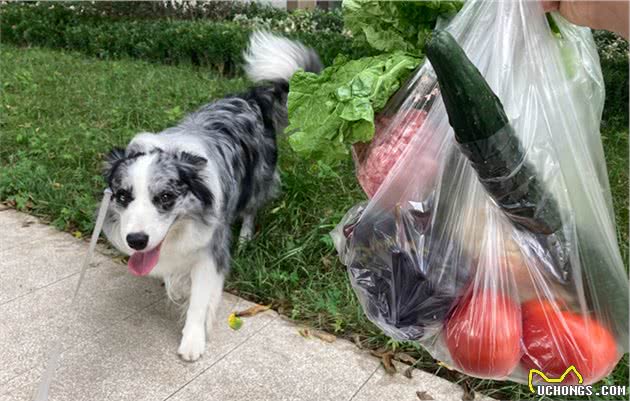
x=492, y=278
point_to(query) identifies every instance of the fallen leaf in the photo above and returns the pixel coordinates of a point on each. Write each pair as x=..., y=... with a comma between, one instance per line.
x=304, y=332
x=440, y=363
x=253, y=310
x=234, y=321
x=402, y=357
x=386, y=360
x=329, y=338
x=357, y=341
x=424, y=396
x=469, y=393
x=27, y=223
x=408, y=373
x=77, y=234
x=379, y=352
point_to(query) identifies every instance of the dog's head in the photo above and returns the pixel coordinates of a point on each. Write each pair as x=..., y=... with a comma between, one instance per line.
x=151, y=190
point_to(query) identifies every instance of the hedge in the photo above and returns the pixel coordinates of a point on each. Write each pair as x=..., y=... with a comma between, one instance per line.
x=613, y=56
x=200, y=42
x=215, y=10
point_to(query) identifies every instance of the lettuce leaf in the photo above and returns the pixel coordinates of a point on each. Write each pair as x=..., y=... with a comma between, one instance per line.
x=332, y=110
x=395, y=25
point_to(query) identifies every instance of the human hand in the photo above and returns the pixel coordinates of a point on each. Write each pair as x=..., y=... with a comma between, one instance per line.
x=609, y=15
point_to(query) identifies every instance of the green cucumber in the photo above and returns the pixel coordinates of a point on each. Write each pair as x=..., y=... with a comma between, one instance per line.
x=486, y=137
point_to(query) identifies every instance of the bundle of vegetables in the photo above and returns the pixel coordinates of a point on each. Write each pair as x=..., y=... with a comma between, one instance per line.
x=338, y=108
x=500, y=255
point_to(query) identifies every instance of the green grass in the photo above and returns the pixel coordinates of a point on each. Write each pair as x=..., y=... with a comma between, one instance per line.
x=61, y=112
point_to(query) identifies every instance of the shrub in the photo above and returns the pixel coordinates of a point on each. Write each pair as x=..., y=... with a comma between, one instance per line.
x=215, y=10
x=218, y=45
x=613, y=55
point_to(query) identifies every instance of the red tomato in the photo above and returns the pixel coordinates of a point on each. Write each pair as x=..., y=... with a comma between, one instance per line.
x=556, y=339
x=540, y=307
x=483, y=335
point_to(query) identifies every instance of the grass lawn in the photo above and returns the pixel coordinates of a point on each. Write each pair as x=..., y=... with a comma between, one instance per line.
x=61, y=112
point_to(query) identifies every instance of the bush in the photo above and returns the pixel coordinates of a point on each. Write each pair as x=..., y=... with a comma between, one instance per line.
x=215, y=10
x=218, y=45
x=297, y=21
x=613, y=55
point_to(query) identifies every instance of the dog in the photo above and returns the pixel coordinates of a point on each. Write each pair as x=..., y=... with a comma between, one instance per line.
x=177, y=193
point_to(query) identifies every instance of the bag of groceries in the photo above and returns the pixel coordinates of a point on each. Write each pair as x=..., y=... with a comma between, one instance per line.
x=489, y=237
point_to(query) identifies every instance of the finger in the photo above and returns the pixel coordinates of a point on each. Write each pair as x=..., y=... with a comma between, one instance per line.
x=550, y=5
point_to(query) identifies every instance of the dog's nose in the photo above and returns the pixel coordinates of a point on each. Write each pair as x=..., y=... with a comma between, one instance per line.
x=138, y=241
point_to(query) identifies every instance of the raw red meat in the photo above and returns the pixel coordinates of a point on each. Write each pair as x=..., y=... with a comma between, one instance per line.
x=375, y=160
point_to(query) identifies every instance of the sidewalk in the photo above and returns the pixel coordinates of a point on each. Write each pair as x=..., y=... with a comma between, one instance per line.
x=123, y=344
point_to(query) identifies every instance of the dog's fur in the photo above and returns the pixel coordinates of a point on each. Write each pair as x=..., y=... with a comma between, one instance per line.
x=180, y=190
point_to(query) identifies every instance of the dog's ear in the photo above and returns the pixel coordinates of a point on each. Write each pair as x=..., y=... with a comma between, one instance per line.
x=189, y=167
x=112, y=161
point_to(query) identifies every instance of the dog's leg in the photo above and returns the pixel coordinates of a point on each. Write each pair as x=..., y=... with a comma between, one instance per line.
x=247, y=228
x=205, y=294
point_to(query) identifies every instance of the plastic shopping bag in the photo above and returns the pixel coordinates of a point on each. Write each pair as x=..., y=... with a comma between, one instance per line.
x=498, y=255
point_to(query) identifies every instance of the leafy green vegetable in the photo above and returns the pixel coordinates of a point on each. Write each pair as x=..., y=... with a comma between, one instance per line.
x=395, y=25
x=329, y=112
x=332, y=110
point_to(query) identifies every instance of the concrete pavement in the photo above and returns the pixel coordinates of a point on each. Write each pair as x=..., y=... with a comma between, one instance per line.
x=123, y=338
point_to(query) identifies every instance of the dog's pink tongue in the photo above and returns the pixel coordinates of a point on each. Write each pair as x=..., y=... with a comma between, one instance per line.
x=141, y=263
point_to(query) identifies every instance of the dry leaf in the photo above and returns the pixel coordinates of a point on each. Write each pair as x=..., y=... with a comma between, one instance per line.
x=402, y=357
x=440, y=363
x=77, y=234
x=424, y=396
x=304, y=332
x=357, y=341
x=386, y=360
x=408, y=373
x=27, y=223
x=379, y=352
x=329, y=338
x=469, y=393
x=254, y=310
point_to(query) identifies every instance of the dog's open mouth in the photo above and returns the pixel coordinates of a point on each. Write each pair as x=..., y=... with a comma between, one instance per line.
x=141, y=263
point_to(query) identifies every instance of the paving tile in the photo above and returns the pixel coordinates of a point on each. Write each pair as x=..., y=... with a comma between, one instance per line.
x=16, y=230
x=35, y=255
x=136, y=359
x=29, y=325
x=280, y=364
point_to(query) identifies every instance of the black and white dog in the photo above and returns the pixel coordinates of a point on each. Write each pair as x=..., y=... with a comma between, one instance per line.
x=176, y=193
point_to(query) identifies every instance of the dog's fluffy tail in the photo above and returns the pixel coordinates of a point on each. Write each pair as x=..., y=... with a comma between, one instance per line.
x=274, y=58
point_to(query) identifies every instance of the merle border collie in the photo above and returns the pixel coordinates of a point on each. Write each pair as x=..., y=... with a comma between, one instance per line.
x=177, y=193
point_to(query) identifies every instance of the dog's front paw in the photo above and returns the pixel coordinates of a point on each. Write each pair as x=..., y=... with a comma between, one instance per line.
x=193, y=343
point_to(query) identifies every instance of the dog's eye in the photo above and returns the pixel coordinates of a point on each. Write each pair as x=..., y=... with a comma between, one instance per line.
x=123, y=197
x=166, y=197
